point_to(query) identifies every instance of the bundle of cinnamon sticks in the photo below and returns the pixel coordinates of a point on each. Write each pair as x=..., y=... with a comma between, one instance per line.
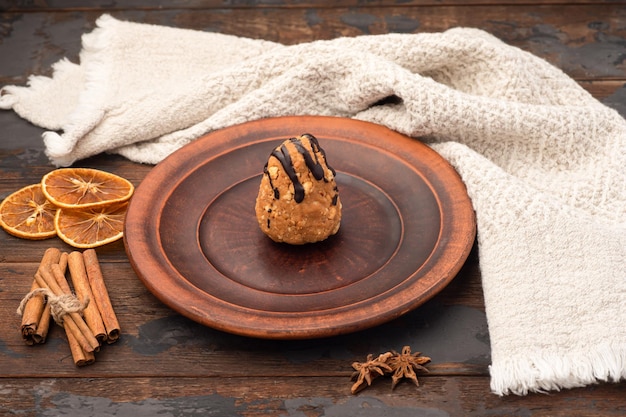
x=86, y=314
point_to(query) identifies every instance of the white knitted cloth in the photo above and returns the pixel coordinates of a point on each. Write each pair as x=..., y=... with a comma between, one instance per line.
x=544, y=162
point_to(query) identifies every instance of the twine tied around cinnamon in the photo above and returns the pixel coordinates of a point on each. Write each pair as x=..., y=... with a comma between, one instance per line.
x=59, y=305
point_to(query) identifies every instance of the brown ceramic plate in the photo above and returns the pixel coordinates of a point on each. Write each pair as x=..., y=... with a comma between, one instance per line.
x=193, y=239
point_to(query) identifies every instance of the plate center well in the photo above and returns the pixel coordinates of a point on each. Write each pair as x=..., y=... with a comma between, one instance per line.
x=231, y=240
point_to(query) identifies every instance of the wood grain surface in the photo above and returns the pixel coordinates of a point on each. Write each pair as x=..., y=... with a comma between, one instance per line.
x=167, y=364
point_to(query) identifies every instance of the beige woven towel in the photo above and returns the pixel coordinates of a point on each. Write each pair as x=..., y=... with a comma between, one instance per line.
x=544, y=163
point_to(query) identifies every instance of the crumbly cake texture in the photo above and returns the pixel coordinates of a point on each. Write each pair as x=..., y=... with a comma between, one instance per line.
x=298, y=200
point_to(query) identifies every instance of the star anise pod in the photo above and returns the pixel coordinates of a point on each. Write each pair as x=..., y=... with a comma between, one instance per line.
x=405, y=364
x=365, y=372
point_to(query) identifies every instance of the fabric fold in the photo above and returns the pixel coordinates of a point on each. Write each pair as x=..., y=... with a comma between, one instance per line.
x=543, y=161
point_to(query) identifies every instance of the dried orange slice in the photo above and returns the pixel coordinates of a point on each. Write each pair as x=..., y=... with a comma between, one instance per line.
x=28, y=214
x=92, y=227
x=82, y=188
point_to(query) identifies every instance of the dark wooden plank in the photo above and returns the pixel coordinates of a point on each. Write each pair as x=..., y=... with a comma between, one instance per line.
x=56, y=5
x=586, y=41
x=617, y=100
x=22, y=168
x=603, y=89
x=284, y=396
x=157, y=341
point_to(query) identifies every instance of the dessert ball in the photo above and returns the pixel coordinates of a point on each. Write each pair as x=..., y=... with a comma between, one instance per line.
x=298, y=200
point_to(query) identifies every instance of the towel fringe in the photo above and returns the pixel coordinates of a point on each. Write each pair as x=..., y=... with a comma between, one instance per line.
x=7, y=100
x=91, y=107
x=553, y=372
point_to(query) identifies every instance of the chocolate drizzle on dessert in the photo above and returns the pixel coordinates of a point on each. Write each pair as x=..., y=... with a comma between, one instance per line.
x=310, y=158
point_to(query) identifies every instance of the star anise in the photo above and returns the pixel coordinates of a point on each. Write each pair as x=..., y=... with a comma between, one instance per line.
x=405, y=364
x=365, y=372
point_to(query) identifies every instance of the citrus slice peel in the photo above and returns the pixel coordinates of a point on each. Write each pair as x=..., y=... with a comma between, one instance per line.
x=90, y=228
x=27, y=214
x=83, y=188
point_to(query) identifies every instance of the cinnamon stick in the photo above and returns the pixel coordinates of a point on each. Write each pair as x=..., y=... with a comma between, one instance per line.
x=82, y=288
x=63, y=262
x=31, y=316
x=59, y=276
x=34, y=322
x=44, y=323
x=79, y=355
x=39, y=336
x=75, y=322
x=101, y=295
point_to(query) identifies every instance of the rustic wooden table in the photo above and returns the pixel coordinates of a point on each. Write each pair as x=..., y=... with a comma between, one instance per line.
x=165, y=364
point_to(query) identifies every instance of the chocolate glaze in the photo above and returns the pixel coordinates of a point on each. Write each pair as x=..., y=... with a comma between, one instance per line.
x=312, y=162
x=317, y=149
